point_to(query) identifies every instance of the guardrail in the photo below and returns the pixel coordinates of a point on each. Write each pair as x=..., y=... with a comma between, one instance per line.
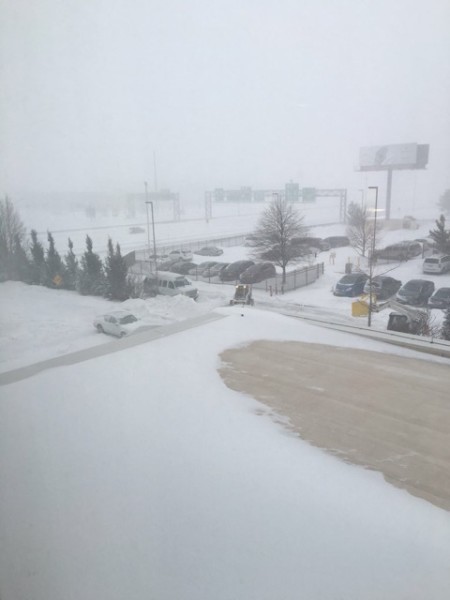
x=427, y=344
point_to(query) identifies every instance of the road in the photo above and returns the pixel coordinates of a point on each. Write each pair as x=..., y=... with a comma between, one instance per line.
x=384, y=412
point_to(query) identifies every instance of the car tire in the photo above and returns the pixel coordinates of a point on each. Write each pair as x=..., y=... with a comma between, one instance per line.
x=122, y=334
x=100, y=329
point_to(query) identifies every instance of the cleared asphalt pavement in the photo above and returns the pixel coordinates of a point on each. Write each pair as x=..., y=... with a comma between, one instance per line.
x=384, y=412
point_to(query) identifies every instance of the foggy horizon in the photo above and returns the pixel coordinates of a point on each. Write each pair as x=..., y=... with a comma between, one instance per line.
x=223, y=94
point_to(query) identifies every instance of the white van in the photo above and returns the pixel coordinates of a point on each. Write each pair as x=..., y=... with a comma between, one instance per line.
x=171, y=284
x=436, y=264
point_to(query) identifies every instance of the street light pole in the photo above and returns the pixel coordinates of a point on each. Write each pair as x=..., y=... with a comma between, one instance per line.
x=372, y=254
x=147, y=202
x=148, y=224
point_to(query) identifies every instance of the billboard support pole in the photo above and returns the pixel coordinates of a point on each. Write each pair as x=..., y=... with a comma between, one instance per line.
x=388, y=194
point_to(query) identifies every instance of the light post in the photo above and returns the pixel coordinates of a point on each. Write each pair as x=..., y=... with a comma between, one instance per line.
x=147, y=202
x=372, y=255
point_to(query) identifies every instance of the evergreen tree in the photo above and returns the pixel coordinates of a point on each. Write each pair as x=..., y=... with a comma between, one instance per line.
x=91, y=279
x=54, y=265
x=4, y=256
x=21, y=268
x=441, y=235
x=116, y=274
x=445, y=330
x=71, y=268
x=37, y=268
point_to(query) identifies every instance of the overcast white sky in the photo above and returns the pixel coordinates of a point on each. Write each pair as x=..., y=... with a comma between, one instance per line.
x=226, y=93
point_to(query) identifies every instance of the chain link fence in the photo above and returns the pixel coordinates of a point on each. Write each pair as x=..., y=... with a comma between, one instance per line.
x=273, y=286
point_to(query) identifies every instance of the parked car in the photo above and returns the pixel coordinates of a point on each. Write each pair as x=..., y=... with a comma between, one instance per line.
x=202, y=268
x=171, y=284
x=400, y=251
x=436, y=264
x=312, y=242
x=209, y=251
x=293, y=251
x=382, y=286
x=182, y=267
x=251, y=241
x=137, y=229
x=350, y=285
x=180, y=255
x=428, y=245
x=258, y=272
x=217, y=269
x=337, y=241
x=165, y=265
x=233, y=271
x=416, y=292
x=159, y=257
x=118, y=323
x=271, y=254
x=440, y=298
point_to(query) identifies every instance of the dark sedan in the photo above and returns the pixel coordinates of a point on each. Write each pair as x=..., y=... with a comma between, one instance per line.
x=258, y=272
x=337, y=241
x=209, y=251
x=440, y=299
x=383, y=286
x=350, y=285
x=217, y=269
x=182, y=267
x=415, y=292
x=233, y=271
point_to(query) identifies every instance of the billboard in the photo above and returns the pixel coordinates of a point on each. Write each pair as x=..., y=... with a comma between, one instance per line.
x=394, y=156
x=308, y=194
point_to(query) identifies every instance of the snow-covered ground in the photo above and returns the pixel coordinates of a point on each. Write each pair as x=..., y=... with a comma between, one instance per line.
x=37, y=323
x=139, y=474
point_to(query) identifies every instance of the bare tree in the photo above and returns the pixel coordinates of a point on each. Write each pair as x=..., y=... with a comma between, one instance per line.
x=12, y=234
x=279, y=223
x=360, y=228
x=445, y=329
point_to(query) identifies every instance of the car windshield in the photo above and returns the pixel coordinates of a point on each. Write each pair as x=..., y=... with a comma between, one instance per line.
x=127, y=319
x=182, y=282
x=412, y=286
x=442, y=293
x=432, y=261
x=348, y=279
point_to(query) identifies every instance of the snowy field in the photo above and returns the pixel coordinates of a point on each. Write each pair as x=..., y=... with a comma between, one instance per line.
x=141, y=475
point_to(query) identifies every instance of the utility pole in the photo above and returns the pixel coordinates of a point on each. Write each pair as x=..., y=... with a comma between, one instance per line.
x=148, y=224
x=372, y=256
x=154, y=171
